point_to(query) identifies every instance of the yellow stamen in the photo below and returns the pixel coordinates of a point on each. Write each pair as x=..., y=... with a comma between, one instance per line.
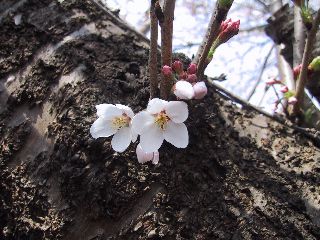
x=161, y=120
x=120, y=122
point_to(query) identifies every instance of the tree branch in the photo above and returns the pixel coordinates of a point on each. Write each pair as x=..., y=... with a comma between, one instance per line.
x=166, y=46
x=219, y=14
x=305, y=62
x=153, y=60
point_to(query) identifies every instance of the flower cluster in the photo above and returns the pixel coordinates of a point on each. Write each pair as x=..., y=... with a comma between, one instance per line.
x=187, y=86
x=162, y=120
x=287, y=94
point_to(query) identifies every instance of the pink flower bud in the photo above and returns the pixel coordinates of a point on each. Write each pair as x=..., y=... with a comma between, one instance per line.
x=296, y=71
x=192, y=69
x=292, y=100
x=166, y=70
x=228, y=29
x=284, y=89
x=183, y=75
x=192, y=78
x=183, y=90
x=200, y=90
x=144, y=157
x=177, y=66
x=272, y=81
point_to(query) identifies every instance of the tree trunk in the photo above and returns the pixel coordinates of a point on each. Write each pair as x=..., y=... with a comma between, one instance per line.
x=243, y=176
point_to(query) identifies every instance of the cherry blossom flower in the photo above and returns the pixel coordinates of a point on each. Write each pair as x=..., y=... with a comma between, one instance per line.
x=114, y=120
x=162, y=120
x=183, y=90
x=144, y=157
x=177, y=66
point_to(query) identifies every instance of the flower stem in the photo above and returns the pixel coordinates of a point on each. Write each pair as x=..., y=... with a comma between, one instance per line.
x=166, y=46
x=220, y=14
x=305, y=61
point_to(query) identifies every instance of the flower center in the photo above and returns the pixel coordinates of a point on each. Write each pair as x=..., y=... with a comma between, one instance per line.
x=120, y=122
x=161, y=119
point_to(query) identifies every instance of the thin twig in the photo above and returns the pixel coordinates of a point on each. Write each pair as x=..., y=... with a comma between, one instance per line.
x=305, y=62
x=153, y=60
x=219, y=14
x=166, y=46
x=311, y=133
x=264, y=65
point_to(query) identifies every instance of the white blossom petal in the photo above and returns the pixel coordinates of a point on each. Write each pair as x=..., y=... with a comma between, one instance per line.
x=156, y=105
x=151, y=139
x=128, y=111
x=108, y=111
x=121, y=139
x=183, y=90
x=142, y=155
x=102, y=128
x=155, y=159
x=134, y=135
x=177, y=111
x=142, y=121
x=176, y=134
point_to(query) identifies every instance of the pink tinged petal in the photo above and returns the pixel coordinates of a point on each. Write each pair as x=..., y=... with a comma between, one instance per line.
x=128, y=111
x=155, y=159
x=200, y=90
x=183, y=90
x=151, y=139
x=177, y=111
x=142, y=155
x=176, y=134
x=142, y=121
x=108, y=111
x=134, y=135
x=102, y=128
x=156, y=105
x=121, y=140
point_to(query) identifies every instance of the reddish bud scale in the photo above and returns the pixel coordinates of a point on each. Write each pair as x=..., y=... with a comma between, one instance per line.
x=177, y=66
x=228, y=29
x=192, y=69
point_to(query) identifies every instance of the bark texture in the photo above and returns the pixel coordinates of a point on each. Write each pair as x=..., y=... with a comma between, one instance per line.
x=241, y=177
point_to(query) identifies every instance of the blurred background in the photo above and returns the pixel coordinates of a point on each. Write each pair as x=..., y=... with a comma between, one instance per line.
x=248, y=59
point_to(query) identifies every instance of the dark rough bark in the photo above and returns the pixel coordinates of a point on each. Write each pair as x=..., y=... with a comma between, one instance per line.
x=241, y=177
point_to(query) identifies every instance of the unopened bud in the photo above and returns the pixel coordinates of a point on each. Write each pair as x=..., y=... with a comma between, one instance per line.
x=272, y=82
x=315, y=64
x=183, y=75
x=145, y=156
x=166, y=70
x=296, y=71
x=183, y=90
x=192, y=69
x=292, y=100
x=200, y=90
x=177, y=66
x=284, y=89
x=192, y=78
x=228, y=29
